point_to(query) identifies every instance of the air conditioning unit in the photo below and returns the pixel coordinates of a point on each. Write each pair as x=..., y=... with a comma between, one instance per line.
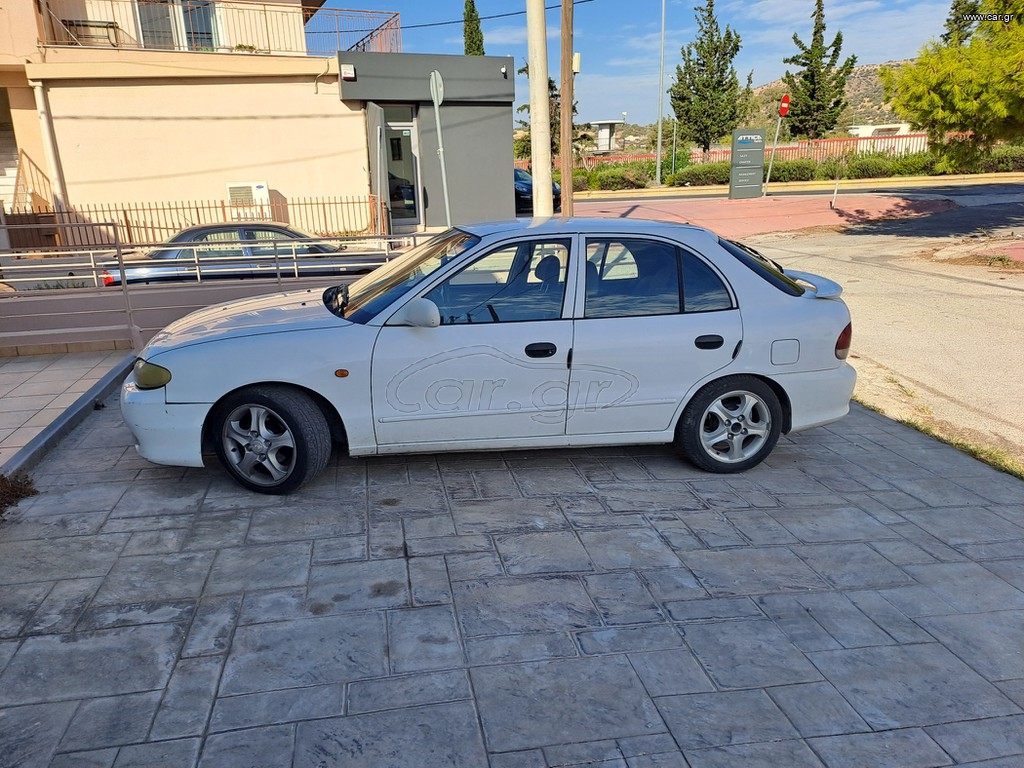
x=249, y=200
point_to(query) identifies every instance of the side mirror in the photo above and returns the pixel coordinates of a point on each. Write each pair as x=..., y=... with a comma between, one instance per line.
x=419, y=313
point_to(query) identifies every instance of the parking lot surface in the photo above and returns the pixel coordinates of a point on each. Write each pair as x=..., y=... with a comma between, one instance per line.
x=857, y=600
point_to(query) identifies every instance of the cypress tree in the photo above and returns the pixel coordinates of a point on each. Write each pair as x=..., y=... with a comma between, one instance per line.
x=706, y=95
x=958, y=26
x=818, y=90
x=472, y=35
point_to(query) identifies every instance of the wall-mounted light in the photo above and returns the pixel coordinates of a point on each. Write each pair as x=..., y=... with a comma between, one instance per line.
x=504, y=71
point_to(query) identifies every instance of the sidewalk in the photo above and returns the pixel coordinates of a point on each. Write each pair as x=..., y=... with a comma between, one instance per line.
x=43, y=396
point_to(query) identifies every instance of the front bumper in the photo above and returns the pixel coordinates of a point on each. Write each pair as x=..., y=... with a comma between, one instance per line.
x=164, y=433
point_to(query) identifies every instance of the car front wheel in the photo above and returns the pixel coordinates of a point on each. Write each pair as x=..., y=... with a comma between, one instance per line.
x=730, y=425
x=271, y=439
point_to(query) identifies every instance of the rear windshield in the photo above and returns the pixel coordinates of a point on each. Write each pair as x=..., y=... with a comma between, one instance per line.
x=763, y=266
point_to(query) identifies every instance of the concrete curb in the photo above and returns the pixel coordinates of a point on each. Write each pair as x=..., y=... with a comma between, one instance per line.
x=889, y=184
x=31, y=454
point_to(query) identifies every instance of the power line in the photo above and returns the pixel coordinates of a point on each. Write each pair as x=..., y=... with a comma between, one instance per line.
x=488, y=18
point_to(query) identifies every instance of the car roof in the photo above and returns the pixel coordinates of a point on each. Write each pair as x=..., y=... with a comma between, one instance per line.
x=558, y=225
x=233, y=225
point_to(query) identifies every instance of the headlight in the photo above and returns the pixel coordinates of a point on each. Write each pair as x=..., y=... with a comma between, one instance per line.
x=150, y=375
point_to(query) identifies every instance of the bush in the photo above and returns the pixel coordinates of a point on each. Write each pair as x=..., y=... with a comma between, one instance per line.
x=580, y=179
x=831, y=168
x=914, y=164
x=792, y=170
x=620, y=176
x=702, y=175
x=1004, y=159
x=869, y=167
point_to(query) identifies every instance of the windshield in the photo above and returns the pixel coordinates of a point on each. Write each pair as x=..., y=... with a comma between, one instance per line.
x=363, y=299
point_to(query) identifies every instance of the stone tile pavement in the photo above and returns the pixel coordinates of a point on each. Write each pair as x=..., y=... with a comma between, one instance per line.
x=39, y=392
x=856, y=601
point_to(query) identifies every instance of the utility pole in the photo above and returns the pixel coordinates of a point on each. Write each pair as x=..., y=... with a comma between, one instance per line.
x=565, y=139
x=661, y=93
x=540, y=109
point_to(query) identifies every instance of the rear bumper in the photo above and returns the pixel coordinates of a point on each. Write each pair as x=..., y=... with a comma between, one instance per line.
x=818, y=397
x=164, y=434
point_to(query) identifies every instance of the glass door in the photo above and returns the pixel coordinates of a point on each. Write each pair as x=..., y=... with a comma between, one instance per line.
x=157, y=24
x=401, y=150
x=178, y=24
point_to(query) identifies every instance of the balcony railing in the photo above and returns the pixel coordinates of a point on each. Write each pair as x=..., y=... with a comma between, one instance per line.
x=218, y=26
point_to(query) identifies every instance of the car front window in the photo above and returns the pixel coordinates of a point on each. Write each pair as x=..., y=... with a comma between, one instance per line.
x=362, y=300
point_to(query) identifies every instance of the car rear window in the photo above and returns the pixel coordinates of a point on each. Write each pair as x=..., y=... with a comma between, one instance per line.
x=762, y=266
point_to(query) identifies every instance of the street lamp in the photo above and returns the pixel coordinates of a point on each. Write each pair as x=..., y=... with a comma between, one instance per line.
x=661, y=93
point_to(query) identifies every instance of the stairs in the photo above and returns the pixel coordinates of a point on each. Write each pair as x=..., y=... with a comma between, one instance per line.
x=8, y=165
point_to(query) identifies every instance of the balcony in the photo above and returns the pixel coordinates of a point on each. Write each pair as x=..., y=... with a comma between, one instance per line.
x=213, y=26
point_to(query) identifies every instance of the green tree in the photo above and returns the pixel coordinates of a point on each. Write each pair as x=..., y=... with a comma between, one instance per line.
x=581, y=134
x=966, y=94
x=959, y=25
x=817, y=90
x=706, y=95
x=472, y=35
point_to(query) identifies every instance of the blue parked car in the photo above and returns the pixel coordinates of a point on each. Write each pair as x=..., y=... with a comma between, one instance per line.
x=524, y=192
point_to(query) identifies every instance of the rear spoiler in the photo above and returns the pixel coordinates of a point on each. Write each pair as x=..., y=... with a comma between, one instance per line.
x=820, y=287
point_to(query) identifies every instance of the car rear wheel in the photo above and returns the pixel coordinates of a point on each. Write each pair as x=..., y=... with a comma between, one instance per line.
x=271, y=439
x=730, y=425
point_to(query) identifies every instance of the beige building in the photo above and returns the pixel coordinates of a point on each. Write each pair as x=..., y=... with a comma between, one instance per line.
x=110, y=101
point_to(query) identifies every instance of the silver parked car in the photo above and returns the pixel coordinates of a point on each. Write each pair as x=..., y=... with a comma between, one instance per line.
x=235, y=250
x=504, y=335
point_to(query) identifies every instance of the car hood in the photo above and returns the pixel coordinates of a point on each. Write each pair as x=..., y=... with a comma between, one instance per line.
x=273, y=313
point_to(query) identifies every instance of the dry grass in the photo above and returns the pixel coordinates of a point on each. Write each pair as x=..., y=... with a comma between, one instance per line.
x=13, y=489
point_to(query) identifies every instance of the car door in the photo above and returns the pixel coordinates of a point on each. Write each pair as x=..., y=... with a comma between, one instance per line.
x=495, y=372
x=213, y=254
x=273, y=248
x=656, y=319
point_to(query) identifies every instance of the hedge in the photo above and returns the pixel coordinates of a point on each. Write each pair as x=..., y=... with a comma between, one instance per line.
x=792, y=170
x=1005, y=159
x=701, y=175
x=640, y=174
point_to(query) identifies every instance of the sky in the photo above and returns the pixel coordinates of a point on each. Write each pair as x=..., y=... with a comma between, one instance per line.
x=619, y=41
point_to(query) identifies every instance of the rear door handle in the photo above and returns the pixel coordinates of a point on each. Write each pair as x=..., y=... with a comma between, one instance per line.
x=710, y=341
x=541, y=349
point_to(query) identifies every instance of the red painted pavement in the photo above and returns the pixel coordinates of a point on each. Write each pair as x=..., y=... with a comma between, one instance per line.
x=742, y=218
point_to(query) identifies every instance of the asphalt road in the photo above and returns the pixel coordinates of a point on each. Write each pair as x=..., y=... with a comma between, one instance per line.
x=946, y=338
x=950, y=337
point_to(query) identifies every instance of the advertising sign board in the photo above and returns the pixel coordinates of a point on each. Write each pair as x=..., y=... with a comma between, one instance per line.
x=746, y=172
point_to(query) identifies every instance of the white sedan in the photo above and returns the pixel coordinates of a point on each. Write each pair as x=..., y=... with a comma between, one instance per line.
x=508, y=335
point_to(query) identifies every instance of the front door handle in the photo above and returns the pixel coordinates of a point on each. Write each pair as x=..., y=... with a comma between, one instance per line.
x=711, y=341
x=541, y=349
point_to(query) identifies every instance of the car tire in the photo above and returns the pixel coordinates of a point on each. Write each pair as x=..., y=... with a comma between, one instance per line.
x=271, y=439
x=730, y=425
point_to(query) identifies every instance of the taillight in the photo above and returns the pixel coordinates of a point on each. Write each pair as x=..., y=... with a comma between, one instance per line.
x=844, y=341
x=108, y=279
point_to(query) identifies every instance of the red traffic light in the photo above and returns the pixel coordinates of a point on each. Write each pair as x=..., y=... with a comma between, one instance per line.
x=784, y=105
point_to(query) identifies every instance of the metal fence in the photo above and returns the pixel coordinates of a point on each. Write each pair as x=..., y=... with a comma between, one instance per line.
x=217, y=27
x=810, y=149
x=135, y=223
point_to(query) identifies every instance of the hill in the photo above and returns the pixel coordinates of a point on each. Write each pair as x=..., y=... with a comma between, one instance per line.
x=864, y=94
